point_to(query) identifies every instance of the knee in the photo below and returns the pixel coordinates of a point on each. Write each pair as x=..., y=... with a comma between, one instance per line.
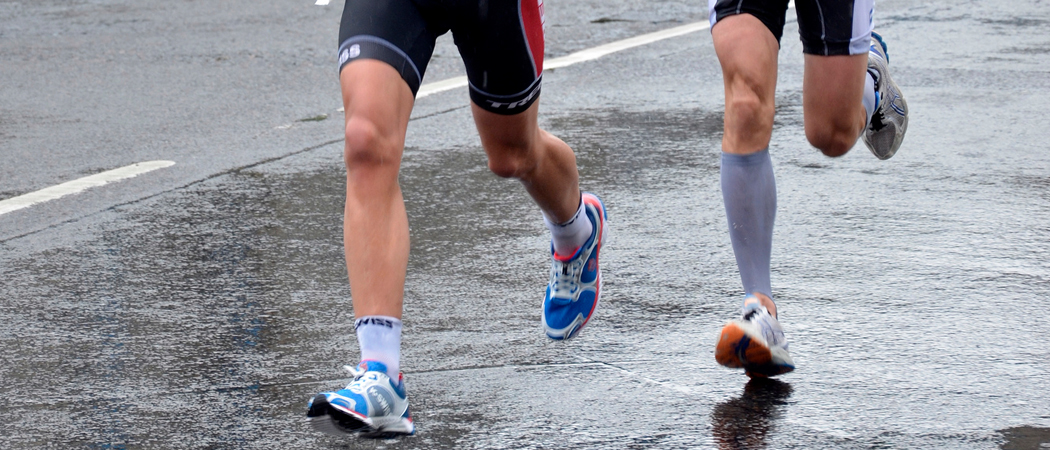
x=747, y=114
x=366, y=146
x=833, y=142
x=372, y=160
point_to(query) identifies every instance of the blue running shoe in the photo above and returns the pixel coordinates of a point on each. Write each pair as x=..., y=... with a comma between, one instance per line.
x=576, y=280
x=755, y=343
x=889, y=121
x=371, y=405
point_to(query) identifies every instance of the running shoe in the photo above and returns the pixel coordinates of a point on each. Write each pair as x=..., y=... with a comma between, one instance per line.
x=755, y=343
x=576, y=280
x=371, y=405
x=889, y=122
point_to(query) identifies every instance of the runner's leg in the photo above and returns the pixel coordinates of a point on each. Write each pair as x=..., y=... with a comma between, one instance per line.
x=546, y=166
x=747, y=51
x=837, y=94
x=375, y=228
x=378, y=102
x=747, y=48
x=518, y=148
x=832, y=93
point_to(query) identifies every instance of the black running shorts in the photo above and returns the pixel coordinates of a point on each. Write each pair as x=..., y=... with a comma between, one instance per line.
x=501, y=42
x=827, y=27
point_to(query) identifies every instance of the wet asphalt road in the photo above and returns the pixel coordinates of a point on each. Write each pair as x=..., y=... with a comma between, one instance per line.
x=200, y=306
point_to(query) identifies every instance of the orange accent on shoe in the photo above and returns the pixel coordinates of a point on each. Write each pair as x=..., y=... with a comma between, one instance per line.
x=725, y=351
x=729, y=351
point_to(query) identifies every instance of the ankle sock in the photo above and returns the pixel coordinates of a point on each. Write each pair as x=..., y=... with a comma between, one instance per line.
x=380, y=340
x=571, y=234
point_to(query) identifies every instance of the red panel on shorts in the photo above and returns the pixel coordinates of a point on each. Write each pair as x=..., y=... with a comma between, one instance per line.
x=532, y=19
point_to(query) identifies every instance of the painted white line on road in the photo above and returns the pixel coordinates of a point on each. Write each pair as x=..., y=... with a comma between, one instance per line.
x=322, y=3
x=613, y=47
x=584, y=55
x=80, y=184
x=580, y=56
x=441, y=86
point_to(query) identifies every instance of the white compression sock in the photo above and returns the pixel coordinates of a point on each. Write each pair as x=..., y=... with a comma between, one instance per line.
x=749, y=191
x=380, y=340
x=572, y=234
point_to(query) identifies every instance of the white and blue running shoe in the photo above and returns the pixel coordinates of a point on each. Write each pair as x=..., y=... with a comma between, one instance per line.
x=889, y=122
x=576, y=280
x=755, y=342
x=371, y=405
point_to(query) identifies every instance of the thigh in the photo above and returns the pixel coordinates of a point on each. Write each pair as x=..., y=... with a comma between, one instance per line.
x=396, y=32
x=501, y=43
x=770, y=12
x=835, y=27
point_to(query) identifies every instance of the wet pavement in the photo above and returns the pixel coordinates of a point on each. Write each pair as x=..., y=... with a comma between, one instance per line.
x=205, y=310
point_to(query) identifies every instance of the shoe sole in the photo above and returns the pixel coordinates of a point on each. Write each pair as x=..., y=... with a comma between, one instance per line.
x=575, y=328
x=738, y=347
x=332, y=420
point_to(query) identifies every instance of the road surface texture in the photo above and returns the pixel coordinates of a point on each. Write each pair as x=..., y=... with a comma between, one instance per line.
x=202, y=304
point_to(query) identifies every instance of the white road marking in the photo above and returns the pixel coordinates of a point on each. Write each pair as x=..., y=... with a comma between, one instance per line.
x=322, y=3
x=441, y=86
x=80, y=184
x=613, y=47
x=99, y=179
x=584, y=55
x=580, y=56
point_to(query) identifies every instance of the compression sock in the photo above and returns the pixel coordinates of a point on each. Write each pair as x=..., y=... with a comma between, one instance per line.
x=750, y=195
x=380, y=340
x=871, y=98
x=571, y=234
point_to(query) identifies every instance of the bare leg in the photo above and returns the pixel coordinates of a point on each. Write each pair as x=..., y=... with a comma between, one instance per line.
x=518, y=148
x=378, y=104
x=546, y=166
x=832, y=90
x=748, y=54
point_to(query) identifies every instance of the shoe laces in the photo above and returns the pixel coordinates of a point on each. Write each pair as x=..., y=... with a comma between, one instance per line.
x=768, y=325
x=747, y=317
x=565, y=278
x=357, y=372
x=878, y=120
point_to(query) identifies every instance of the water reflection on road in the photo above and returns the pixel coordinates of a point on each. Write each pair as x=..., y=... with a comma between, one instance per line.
x=745, y=422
